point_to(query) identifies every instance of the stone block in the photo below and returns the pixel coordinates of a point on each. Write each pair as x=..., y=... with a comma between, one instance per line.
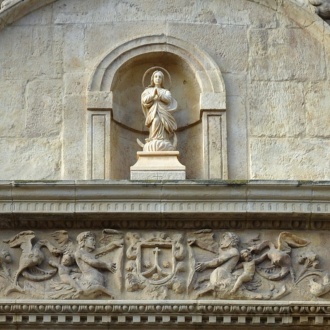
x=212, y=101
x=236, y=84
x=99, y=100
x=33, y=52
x=74, y=140
x=218, y=42
x=34, y=159
x=237, y=145
x=75, y=83
x=289, y=158
x=74, y=48
x=44, y=108
x=317, y=102
x=11, y=106
x=100, y=39
x=276, y=109
x=269, y=48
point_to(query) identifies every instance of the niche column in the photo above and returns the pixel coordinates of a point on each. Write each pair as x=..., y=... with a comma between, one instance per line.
x=213, y=112
x=99, y=105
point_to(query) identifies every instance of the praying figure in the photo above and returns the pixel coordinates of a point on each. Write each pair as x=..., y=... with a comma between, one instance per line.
x=157, y=105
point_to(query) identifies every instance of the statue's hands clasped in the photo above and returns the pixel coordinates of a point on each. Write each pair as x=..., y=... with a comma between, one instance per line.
x=156, y=95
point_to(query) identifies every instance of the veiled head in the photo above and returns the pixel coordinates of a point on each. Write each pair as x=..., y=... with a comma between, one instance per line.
x=157, y=78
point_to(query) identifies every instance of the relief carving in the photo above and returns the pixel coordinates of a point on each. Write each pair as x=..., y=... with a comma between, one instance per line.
x=161, y=265
x=87, y=279
x=31, y=258
x=155, y=265
x=279, y=256
x=234, y=268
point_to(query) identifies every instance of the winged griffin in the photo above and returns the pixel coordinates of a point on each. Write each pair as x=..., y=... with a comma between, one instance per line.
x=31, y=258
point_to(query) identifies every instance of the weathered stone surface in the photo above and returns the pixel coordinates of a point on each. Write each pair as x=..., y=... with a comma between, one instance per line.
x=276, y=109
x=268, y=48
x=36, y=51
x=74, y=48
x=43, y=108
x=318, y=110
x=288, y=158
x=273, y=57
x=218, y=42
x=37, y=158
x=12, y=102
x=101, y=39
x=74, y=145
x=279, y=50
x=237, y=138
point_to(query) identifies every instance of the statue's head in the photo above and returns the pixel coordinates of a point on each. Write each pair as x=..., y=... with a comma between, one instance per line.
x=157, y=78
x=87, y=239
x=246, y=255
x=229, y=240
x=67, y=259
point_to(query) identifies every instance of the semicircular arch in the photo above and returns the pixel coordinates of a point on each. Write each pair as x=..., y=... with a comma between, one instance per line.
x=207, y=72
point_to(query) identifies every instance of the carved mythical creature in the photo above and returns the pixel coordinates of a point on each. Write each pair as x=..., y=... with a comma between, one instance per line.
x=279, y=255
x=224, y=282
x=90, y=281
x=221, y=278
x=32, y=256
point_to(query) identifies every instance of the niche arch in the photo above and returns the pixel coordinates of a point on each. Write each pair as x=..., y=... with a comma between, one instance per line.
x=115, y=118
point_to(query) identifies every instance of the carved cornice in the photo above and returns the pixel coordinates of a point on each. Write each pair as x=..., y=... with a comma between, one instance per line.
x=150, y=313
x=183, y=204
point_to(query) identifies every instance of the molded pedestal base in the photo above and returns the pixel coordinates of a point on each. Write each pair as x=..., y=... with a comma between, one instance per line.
x=158, y=165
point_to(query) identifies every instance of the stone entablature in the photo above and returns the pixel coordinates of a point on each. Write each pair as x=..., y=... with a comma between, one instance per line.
x=144, y=230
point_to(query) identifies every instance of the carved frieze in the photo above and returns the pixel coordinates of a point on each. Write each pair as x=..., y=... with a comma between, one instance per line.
x=158, y=265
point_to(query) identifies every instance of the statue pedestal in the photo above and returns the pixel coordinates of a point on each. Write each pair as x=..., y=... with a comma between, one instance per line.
x=158, y=165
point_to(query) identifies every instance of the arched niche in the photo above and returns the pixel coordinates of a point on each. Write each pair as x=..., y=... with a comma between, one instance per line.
x=115, y=116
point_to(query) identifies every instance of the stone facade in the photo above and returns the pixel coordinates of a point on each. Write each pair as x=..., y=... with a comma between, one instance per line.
x=226, y=216
x=262, y=67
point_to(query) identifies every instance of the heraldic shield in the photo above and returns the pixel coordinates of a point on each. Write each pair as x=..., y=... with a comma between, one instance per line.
x=155, y=260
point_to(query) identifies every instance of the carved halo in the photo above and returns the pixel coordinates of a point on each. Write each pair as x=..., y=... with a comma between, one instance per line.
x=155, y=68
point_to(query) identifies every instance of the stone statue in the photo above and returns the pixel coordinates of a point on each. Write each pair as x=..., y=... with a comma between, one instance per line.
x=157, y=105
x=91, y=280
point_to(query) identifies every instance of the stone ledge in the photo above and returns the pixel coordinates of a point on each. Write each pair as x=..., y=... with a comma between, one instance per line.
x=172, y=204
x=149, y=313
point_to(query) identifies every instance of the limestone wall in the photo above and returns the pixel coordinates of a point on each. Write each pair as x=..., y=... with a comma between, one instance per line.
x=273, y=58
